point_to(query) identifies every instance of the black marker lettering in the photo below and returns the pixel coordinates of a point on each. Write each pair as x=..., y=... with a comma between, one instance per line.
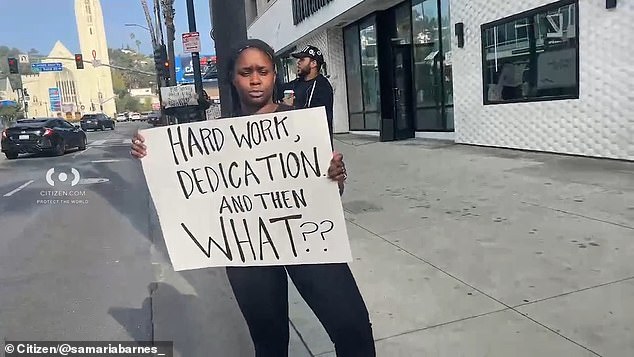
x=275, y=198
x=198, y=181
x=244, y=139
x=280, y=123
x=216, y=180
x=248, y=171
x=187, y=191
x=256, y=134
x=240, y=242
x=307, y=162
x=292, y=165
x=219, y=138
x=285, y=199
x=268, y=164
x=266, y=130
x=175, y=143
x=235, y=185
x=192, y=142
x=262, y=229
x=207, y=252
x=284, y=174
x=288, y=228
x=222, y=174
x=225, y=205
x=205, y=134
x=261, y=195
x=299, y=198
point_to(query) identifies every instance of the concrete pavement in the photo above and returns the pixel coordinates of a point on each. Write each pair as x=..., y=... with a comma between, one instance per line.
x=459, y=251
x=467, y=251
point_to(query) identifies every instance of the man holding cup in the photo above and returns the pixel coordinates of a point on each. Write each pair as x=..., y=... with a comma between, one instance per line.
x=311, y=89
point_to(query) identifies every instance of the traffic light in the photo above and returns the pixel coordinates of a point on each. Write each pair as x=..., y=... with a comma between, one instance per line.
x=161, y=63
x=79, y=61
x=13, y=66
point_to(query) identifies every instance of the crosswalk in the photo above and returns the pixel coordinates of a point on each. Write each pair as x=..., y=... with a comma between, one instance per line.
x=110, y=142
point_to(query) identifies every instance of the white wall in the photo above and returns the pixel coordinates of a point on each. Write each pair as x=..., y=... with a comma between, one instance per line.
x=600, y=123
x=275, y=26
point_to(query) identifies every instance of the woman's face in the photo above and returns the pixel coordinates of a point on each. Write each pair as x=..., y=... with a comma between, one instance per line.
x=254, y=78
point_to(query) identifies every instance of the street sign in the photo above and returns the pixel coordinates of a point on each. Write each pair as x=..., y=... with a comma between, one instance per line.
x=55, y=98
x=96, y=63
x=47, y=67
x=24, y=58
x=191, y=42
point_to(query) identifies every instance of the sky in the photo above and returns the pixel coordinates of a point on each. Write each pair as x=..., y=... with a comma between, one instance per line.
x=39, y=24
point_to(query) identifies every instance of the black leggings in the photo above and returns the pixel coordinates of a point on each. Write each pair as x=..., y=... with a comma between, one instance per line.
x=329, y=289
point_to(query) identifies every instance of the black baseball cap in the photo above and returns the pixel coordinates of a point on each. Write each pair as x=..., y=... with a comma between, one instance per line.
x=311, y=52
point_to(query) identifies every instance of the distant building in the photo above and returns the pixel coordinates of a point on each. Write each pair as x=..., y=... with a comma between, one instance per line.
x=73, y=92
x=6, y=90
x=145, y=96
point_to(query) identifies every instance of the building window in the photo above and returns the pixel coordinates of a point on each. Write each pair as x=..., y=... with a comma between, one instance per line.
x=533, y=55
x=362, y=75
x=352, y=48
x=370, y=75
x=302, y=9
x=433, y=75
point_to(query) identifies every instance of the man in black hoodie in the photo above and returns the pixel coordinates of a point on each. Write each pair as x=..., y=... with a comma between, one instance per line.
x=311, y=88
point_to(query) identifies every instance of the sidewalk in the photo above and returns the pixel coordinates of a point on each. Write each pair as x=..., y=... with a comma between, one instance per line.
x=459, y=251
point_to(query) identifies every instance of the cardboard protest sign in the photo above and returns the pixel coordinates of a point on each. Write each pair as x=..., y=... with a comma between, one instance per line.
x=247, y=191
x=179, y=96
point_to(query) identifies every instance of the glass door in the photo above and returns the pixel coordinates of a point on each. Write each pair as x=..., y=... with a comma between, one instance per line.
x=402, y=62
x=432, y=65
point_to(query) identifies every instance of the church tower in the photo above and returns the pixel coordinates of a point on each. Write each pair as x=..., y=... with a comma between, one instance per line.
x=97, y=81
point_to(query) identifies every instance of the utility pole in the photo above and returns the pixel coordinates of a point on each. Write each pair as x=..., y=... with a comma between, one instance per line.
x=227, y=31
x=168, y=13
x=198, y=77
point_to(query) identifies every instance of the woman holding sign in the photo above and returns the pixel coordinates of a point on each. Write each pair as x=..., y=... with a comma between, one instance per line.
x=262, y=291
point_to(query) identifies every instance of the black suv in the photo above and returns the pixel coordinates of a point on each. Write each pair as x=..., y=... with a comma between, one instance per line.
x=96, y=121
x=41, y=135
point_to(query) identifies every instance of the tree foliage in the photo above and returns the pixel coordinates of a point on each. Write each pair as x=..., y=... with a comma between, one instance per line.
x=124, y=80
x=9, y=113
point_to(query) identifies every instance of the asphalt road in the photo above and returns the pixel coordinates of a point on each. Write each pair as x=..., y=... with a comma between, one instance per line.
x=94, y=267
x=71, y=266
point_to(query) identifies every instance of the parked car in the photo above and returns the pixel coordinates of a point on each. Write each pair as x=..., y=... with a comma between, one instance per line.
x=50, y=135
x=122, y=117
x=135, y=116
x=96, y=121
x=154, y=119
x=145, y=116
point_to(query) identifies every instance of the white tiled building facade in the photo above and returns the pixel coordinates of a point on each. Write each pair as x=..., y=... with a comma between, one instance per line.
x=548, y=104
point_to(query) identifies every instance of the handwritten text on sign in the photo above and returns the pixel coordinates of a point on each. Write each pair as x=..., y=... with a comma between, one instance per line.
x=247, y=191
x=179, y=96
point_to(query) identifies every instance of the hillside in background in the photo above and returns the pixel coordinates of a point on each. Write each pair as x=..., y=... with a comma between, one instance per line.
x=124, y=80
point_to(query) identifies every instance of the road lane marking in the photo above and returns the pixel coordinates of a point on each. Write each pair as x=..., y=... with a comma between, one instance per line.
x=110, y=142
x=81, y=152
x=104, y=161
x=18, y=189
